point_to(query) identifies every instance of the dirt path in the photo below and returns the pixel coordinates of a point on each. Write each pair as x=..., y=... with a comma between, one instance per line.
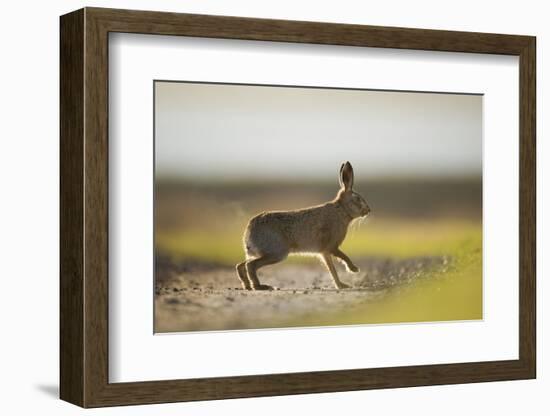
x=196, y=296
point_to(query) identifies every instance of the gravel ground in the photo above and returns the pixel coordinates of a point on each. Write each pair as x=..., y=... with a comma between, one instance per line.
x=194, y=296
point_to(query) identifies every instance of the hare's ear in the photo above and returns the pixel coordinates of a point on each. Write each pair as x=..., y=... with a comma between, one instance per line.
x=340, y=176
x=346, y=176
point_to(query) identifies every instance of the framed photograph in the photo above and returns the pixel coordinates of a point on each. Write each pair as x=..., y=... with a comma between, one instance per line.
x=254, y=207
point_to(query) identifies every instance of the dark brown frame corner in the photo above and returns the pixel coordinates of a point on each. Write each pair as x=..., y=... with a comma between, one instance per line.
x=84, y=214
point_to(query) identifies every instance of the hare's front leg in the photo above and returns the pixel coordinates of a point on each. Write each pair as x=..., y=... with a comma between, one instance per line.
x=330, y=266
x=346, y=260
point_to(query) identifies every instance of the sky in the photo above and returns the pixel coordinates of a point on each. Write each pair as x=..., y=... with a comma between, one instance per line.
x=222, y=131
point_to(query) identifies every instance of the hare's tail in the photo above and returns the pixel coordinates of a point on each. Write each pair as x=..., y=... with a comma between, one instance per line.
x=248, y=248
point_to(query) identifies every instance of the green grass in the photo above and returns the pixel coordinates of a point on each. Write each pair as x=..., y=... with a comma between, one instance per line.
x=398, y=239
x=411, y=238
x=224, y=247
x=449, y=294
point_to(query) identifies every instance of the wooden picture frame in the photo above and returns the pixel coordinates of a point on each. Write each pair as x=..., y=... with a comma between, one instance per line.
x=84, y=207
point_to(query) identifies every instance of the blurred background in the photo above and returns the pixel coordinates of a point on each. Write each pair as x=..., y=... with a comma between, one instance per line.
x=224, y=153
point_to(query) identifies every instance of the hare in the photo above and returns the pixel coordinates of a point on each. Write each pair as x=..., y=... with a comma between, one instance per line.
x=271, y=236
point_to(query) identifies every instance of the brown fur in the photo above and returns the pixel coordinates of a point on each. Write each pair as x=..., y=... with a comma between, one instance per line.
x=271, y=236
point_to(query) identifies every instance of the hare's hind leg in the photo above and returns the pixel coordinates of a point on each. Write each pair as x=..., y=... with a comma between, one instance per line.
x=330, y=266
x=241, y=272
x=253, y=265
x=346, y=260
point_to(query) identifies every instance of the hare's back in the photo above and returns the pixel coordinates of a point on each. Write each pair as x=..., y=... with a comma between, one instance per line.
x=273, y=221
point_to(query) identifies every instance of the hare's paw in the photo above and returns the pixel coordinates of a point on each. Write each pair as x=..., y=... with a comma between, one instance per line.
x=263, y=287
x=352, y=268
